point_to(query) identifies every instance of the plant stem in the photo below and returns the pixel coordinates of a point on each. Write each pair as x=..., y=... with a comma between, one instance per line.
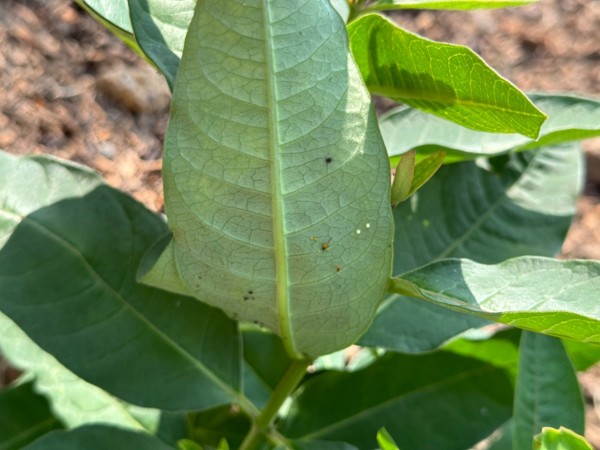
x=261, y=426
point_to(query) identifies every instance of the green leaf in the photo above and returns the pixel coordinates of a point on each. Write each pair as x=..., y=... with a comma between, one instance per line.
x=74, y=401
x=501, y=439
x=403, y=178
x=451, y=400
x=537, y=294
x=582, y=355
x=447, y=80
x=547, y=393
x=382, y=5
x=98, y=437
x=73, y=291
x=160, y=28
x=385, y=441
x=265, y=363
x=470, y=212
x=276, y=179
x=116, y=12
x=425, y=168
x=24, y=416
x=500, y=350
x=569, y=118
x=561, y=439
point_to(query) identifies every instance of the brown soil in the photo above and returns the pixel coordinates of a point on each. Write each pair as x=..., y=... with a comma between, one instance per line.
x=69, y=88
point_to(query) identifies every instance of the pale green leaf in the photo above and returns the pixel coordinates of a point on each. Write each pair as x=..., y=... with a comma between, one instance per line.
x=569, y=118
x=403, y=178
x=537, y=294
x=276, y=179
x=451, y=400
x=561, y=439
x=98, y=437
x=582, y=355
x=447, y=80
x=547, y=393
x=466, y=211
x=68, y=287
x=382, y=5
x=24, y=416
x=115, y=12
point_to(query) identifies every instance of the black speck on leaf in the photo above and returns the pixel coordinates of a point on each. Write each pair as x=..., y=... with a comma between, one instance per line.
x=328, y=160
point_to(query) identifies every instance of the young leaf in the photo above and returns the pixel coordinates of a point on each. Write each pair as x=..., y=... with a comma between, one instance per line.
x=275, y=174
x=561, y=439
x=569, y=118
x=452, y=400
x=537, y=294
x=470, y=212
x=547, y=393
x=98, y=437
x=24, y=416
x=403, y=178
x=382, y=5
x=447, y=80
x=385, y=441
x=68, y=287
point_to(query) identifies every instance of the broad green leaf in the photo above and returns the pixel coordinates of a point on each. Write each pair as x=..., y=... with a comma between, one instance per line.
x=569, y=118
x=547, y=393
x=385, y=441
x=451, y=400
x=447, y=80
x=582, y=355
x=98, y=437
x=265, y=363
x=500, y=350
x=537, y=294
x=24, y=416
x=276, y=179
x=160, y=27
x=382, y=5
x=74, y=401
x=73, y=291
x=469, y=212
x=561, y=439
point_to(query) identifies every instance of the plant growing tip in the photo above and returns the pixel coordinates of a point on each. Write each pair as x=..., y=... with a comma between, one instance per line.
x=409, y=175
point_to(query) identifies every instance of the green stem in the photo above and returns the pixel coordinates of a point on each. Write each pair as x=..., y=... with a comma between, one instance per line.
x=261, y=428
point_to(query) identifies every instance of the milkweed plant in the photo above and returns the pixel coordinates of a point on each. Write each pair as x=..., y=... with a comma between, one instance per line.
x=298, y=293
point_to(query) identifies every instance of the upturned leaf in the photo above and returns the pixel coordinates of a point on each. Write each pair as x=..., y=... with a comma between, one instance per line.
x=447, y=80
x=276, y=178
x=570, y=118
x=537, y=294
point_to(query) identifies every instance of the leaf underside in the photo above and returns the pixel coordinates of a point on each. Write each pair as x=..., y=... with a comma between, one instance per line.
x=276, y=178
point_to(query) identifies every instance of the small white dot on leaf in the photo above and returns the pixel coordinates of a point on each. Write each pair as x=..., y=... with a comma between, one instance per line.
x=357, y=231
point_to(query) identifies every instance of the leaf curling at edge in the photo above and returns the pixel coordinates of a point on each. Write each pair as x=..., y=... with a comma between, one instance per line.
x=538, y=294
x=277, y=195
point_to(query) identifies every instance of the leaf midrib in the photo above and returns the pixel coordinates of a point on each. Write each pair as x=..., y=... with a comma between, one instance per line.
x=117, y=295
x=403, y=396
x=279, y=239
x=29, y=432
